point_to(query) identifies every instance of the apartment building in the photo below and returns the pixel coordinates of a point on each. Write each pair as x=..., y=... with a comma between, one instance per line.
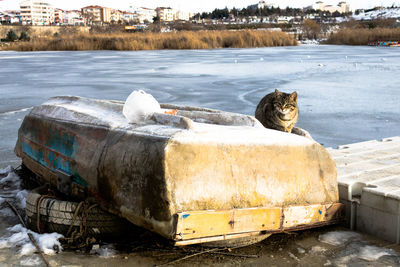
x=74, y=17
x=59, y=16
x=130, y=17
x=182, y=15
x=96, y=14
x=9, y=17
x=166, y=13
x=143, y=14
x=36, y=13
x=117, y=16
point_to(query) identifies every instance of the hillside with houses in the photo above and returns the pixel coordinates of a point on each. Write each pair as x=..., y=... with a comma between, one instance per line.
x=36, y=13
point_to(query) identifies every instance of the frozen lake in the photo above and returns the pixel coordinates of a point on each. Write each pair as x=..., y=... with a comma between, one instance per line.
x=346, y=94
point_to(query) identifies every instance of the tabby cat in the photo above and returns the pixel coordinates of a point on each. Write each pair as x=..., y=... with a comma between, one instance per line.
x=278, y=111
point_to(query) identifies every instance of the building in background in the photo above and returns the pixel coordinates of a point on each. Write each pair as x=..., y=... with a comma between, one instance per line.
x=342, y=7
x=143, y=14
x=36, y=13
x=96, y=14
x=59, y=16
x=10, y=17
x=182, y=15
x=117, y=16
x=165, y=13
x=130, y=17
x=264, y=4
x=74, y=18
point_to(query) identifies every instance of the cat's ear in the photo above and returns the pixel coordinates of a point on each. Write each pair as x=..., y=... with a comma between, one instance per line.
x=293, y=96
x=277, y=91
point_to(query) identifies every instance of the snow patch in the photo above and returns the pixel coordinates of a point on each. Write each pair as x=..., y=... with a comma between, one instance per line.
x=317, y=249
x=6, y=170
x=106, y=251
x=384, y=13
x=235, y=135
x=21, y=197
x=19, y=238
x=301, y=250
x=139, y=106
x=11, y=177
x=31, y=261
x=337, y=238
x=372, y=253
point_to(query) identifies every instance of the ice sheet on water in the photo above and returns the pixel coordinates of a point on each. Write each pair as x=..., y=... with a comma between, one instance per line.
x=338, y=238
x=19, y=238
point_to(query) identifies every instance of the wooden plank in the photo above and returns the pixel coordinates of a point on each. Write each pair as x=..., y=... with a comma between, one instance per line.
x=218, y=224
x=198, y=224
x=295, y=216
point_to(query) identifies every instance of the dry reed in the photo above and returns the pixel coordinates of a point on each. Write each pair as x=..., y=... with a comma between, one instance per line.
x=155, y=41
x=364, y=36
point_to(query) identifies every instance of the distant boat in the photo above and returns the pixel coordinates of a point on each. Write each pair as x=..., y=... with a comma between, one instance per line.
x=385, y=43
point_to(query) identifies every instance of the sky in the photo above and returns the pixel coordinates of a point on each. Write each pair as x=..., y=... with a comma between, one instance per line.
x=191, y=5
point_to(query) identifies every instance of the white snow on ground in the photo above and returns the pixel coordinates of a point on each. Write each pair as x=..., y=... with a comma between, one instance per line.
x=338, y=238
x=11, y=176
x=317, y=249
x=372, y=253
x=106, y=251
x=19, y=238
x=17, y=235
x=362, y=252
x=385, y=13
x=6, y=170
x=21, y=197
x=31, y=261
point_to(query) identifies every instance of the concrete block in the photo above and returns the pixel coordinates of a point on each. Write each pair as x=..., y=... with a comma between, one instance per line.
x=378, y=223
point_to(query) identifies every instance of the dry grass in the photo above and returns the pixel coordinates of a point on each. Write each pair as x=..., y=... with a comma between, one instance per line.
x=364, y=36
x=153, y=41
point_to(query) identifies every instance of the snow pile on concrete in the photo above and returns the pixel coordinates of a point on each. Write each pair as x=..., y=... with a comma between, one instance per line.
x=139, y=106
x=19, y=238
x=338, y=238
x=372, y=253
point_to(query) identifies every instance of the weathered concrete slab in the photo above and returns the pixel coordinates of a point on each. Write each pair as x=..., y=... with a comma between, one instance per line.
x=369, y=185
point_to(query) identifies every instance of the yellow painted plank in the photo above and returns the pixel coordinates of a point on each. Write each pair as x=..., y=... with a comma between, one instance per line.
x=212, y=223
x=301, y=215
x=198, y=224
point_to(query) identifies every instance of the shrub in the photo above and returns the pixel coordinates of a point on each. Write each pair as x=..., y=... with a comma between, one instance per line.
x=363, y=36
x=24, y=37
x=11, y=36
